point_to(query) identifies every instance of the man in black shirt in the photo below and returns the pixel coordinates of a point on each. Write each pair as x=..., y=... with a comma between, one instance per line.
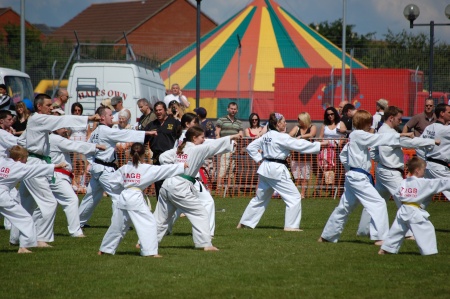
x=167, y=128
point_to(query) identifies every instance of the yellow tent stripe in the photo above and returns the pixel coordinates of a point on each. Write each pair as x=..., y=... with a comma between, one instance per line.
x=328, y=56
x=187, y=72
x=269, y=56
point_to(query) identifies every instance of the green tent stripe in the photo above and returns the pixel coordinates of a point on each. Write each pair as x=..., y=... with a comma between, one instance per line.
x=336, y=51
x=194, y=45
x=218, y=64
x=289, y=53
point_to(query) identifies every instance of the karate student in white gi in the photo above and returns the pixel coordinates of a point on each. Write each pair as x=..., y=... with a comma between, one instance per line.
x=412, y=193
x=358, y=186
x=390, y=167
x=189, y=120
x=130, y=180
x=179, y=193
x=438, y=158
x=7, y=140
x=61, y=185
x=13, y=170
x=36, y=140
x=272, y=149
x=102, y=163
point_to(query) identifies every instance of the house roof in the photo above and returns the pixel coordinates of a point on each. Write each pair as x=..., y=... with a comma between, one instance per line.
x=110, y=20
x=45, y=29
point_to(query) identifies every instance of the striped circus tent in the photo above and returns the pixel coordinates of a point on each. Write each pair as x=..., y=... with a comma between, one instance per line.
x=270, y=38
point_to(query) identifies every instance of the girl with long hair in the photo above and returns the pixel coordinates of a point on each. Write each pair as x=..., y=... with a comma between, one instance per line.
x=179, y=192
x=272, y=149
x=130, y=180
x=22, y=115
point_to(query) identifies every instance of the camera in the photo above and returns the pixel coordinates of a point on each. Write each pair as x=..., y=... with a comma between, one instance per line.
x=174, y=110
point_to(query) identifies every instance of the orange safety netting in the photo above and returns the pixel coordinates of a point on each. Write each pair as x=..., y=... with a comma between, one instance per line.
x=235, y=174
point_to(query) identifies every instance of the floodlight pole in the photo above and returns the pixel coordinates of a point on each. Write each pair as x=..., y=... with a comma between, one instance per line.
x=344, y=32
x=239, y=66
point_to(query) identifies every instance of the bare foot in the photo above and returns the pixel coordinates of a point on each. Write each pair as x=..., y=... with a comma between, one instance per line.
x=291, y=229
x=24, y=250
x=80, y=236
x=182, y=215
x=138, y=245
x=378, y=243
x=383, y=252
x=43, y=244
x=210, y=248
x=156, y=255
x=322, y=240
x=240, y=225
x=410, y=238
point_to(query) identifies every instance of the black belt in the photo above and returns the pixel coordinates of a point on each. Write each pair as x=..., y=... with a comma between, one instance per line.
x=109, y=164
x=277, y=161
x=284, y=162
x=441, y=162
x=402, y=171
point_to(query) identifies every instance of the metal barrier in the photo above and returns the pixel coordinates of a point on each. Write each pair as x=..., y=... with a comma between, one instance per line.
x=316, y=175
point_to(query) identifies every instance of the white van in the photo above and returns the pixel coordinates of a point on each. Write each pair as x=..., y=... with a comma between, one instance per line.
x=18, y=84
x=92, y=82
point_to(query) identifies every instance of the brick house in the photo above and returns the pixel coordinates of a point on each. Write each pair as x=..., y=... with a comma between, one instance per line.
x=156, y=29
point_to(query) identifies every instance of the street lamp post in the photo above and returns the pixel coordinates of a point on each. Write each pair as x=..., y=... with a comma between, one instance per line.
x=197, y=70
x=411, y=13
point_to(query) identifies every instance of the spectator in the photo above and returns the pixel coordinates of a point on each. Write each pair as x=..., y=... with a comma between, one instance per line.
x=341, y=107
x=382, y=104
x=22, y=115
x=176, y=95
x=80, y=164
x=330, y=132
x=124, y=120
x=62, y=99
x=117, y=103
x=5, y=99
x=420, y=121
x=6, y=121
x=57, y=112
x=147, y=113
x=301, y=163
x=207, y=125
x=167, y=129
x=227, y=126
x=346, y=124
x=175, y=110
x=255, y=130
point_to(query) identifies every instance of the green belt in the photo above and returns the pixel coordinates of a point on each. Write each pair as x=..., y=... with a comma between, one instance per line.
x=47, y=159
x=188, y=177
x=42, y=157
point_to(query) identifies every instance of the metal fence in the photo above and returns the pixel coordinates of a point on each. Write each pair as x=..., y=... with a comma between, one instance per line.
x=319, y=176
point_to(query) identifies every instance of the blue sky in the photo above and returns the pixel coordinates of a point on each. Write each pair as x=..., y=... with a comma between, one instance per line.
x=367, y=15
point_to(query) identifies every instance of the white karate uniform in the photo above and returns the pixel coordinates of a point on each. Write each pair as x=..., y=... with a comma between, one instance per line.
x=11, y=173
x=60, y=149
x=441, y=152
x=357, y=186
x=274, y=176
x=100, y=174
x=203, y=195
x=179, y=193
x=131, y=207
x=389, y=173
x=37, y=190
x=7, y=140
x=413, y=192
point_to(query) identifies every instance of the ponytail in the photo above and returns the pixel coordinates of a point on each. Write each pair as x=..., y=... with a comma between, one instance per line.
x=137, y=151
x=192, y=132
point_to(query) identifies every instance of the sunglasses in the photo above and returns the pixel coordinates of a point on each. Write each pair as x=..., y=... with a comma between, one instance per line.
x=255, y=119
x=429, y=105
x=328, y=114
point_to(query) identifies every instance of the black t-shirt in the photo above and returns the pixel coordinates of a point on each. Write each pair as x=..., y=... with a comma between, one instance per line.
x=167, y=134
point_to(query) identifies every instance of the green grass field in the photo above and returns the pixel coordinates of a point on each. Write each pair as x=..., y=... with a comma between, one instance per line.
x=262, y=263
